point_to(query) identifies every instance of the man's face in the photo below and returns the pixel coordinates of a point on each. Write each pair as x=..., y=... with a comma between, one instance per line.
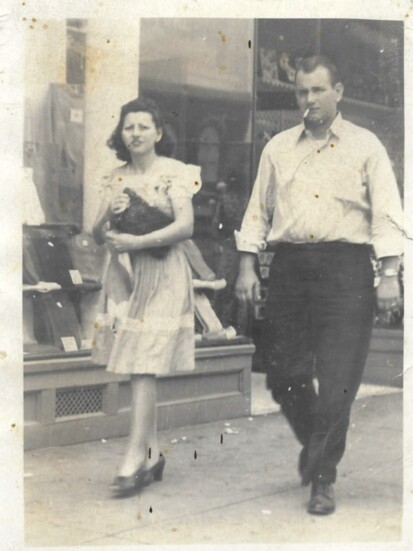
x=315, y=92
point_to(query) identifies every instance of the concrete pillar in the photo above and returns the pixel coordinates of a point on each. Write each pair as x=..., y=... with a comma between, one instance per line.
x=111, y=80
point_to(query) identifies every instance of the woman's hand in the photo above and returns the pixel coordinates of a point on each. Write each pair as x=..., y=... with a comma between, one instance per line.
x=123, y=242
x=119, y=203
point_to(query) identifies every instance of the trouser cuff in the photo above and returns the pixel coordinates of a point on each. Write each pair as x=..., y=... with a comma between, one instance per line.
x=328, y=476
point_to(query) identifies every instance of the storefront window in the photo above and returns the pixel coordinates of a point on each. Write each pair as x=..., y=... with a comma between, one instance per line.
x=226, y=88
x=369, y=56
x=54, y=130
x=201, y=73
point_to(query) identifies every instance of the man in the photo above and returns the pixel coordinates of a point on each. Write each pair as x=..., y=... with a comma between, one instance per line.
x=325, y=193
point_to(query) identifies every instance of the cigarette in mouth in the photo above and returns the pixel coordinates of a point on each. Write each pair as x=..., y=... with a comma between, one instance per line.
x=305, y=114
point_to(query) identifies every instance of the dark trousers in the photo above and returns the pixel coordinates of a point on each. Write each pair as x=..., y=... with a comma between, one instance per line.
x=319, y=318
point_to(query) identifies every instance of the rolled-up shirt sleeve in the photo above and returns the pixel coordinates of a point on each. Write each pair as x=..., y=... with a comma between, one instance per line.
x=387, y=214
x=257, y=219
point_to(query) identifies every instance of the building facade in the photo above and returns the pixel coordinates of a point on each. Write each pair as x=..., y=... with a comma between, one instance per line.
x=225, y=87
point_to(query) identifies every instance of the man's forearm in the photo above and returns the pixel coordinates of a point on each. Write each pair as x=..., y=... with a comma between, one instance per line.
x=247, y=262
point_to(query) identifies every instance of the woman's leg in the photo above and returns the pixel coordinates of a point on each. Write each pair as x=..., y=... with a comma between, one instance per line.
x=142, y=448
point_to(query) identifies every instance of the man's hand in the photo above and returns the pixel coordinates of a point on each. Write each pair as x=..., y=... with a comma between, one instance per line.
x=247, y=278
x=244, y=288
x=388, y=294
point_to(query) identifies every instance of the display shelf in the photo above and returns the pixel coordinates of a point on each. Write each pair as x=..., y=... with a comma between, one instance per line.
x=235, y=341
x=50, y=358
x=85, y=287
x=56, y=293
x=278, y=86
x=280, y=89
x=46, y=352
x=71, y=229
x=374, y=107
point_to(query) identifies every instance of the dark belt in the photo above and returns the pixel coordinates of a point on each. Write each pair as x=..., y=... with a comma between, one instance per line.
x=319, y=245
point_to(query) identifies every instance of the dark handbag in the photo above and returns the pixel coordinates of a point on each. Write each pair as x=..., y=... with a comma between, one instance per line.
x=32, y=272
x=55, y=319
x=49, y=252
x=141, y=218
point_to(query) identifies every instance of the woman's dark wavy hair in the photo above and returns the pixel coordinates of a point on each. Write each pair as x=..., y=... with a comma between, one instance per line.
x=165, y=146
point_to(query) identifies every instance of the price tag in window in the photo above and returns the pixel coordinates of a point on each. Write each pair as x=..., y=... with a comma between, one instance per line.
x=69, y=344
x=76, y=277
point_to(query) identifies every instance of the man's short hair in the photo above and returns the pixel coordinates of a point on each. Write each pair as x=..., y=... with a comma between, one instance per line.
x=310, y=64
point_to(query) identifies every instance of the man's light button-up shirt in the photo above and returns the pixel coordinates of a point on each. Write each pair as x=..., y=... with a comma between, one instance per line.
x=341, y=190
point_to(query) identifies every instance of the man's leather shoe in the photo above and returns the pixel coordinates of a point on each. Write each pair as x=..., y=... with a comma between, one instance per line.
x=322, y=499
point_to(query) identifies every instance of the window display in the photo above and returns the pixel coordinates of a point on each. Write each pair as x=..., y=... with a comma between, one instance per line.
x=55, y=287
x=223, y=100
x=369, y=54
x=204, y=83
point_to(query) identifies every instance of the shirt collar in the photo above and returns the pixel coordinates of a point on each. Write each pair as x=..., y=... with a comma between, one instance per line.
x=335, y=128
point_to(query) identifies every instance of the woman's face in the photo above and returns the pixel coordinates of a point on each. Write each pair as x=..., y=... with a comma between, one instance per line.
x=139, y=133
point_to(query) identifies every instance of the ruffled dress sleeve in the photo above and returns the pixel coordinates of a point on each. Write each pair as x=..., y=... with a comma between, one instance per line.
x=108, y=186
x=184, y=180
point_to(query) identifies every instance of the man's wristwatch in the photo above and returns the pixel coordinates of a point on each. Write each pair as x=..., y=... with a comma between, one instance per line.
x=389, y=272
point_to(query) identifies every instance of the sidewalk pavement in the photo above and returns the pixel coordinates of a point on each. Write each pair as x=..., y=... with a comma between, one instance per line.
x=243, y=490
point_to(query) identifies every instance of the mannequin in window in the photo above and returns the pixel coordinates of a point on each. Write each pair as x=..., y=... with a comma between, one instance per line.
x=209, y=152
x=32, y=210
x=218, y=209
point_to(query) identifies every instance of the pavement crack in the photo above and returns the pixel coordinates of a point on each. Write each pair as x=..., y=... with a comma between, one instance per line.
x=208, y=510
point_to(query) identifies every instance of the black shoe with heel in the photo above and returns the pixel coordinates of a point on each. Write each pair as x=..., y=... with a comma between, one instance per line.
x=127, y=485
x=156, y=471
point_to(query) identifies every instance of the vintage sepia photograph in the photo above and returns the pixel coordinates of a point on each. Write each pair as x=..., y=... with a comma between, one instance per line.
x=213, y=280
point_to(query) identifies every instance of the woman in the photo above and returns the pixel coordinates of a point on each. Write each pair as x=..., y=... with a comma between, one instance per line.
x=156, y=331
